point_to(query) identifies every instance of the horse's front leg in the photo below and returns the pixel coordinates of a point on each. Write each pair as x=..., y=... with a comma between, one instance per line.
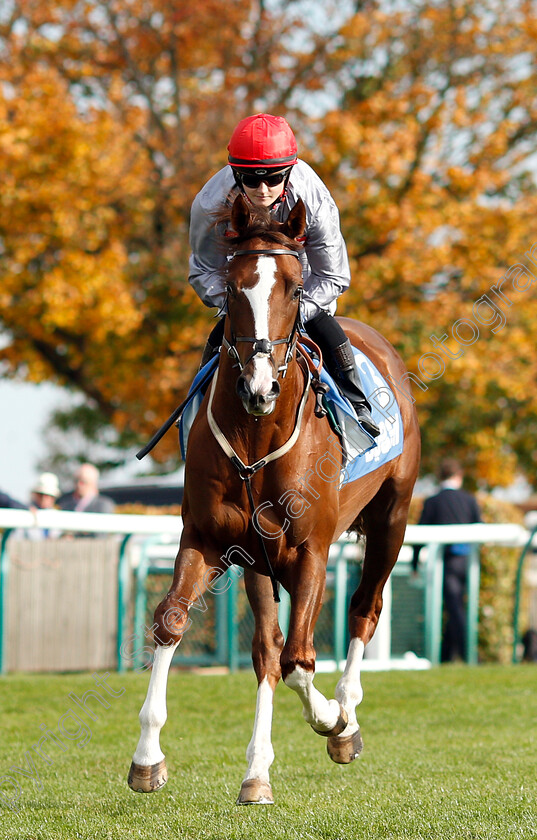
x=148, y=769
x=267, y=645
x=298, y=656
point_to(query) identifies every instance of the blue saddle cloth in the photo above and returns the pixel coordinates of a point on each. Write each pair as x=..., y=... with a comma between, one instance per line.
x=363, y=452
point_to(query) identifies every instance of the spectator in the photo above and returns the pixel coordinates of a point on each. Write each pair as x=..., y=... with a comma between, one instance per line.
x=529, y=644
x=86, y=496
x=44, y=496
x=450, y=506
x=45, y=492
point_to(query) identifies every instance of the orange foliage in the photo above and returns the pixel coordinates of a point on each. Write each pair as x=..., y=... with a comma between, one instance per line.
x=428, y=158
x=420, y=118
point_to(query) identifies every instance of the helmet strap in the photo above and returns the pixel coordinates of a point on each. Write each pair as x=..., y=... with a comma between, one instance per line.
x=282, y=196
x=238, y=182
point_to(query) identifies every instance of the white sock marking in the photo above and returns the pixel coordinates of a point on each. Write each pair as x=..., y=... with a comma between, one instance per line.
x=260, y=753
x=318, y=711
x=153, y=713
x=349, y=688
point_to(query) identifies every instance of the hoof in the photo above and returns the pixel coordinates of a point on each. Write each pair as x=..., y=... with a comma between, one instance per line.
x=255, y=792
x=147, y=779
x=341, y=724
x=346, y=749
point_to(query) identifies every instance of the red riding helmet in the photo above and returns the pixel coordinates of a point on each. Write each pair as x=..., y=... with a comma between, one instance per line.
x=262, y=140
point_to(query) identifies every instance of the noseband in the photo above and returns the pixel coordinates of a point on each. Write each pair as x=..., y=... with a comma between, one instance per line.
x=264, y=346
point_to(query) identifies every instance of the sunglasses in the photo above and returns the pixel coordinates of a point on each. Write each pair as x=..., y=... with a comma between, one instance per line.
x=252, y=181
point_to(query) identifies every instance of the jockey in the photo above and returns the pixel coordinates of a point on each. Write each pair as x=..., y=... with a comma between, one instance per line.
x=264, y=167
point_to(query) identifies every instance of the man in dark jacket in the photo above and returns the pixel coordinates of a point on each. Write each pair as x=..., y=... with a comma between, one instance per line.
x=86, y=496
x=7, y=502
x=452, y=506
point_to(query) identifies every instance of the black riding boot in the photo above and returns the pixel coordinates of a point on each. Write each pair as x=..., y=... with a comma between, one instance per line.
x=214, y=342
x=348, y=379
x=339, y=359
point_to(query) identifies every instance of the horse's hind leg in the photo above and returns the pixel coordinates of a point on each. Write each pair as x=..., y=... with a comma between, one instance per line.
x=384, y=522
x=148, y=769
x=266, y=648
x=298, y=656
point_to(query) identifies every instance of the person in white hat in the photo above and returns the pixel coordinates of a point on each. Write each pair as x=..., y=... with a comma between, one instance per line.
x=45, y=491
x=44, y=495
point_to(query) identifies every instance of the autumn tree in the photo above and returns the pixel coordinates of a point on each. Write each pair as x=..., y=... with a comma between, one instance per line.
x=421, y=118
x=429, y=149
x=113, y=115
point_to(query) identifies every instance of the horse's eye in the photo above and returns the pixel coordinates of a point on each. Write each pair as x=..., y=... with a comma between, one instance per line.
x=297, y=292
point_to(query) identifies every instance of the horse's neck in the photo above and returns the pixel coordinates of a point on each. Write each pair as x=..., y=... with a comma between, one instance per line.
x=253, y=437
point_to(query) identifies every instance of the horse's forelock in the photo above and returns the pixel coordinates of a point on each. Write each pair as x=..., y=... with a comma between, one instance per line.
x=261, y=226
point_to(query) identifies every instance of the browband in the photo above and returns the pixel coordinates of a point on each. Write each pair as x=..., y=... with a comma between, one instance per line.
x=267, y=251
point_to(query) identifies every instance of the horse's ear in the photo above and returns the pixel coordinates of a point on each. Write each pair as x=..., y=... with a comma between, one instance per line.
x=240, y=215
x=296, y=221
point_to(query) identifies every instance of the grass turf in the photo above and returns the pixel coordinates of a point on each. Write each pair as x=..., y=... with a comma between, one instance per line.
x=449, y=753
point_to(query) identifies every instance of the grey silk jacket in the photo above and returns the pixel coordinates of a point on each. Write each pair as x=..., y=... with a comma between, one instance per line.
x=325, y=264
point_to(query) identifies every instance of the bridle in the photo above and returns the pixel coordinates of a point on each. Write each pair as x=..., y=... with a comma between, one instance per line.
x=263, y=346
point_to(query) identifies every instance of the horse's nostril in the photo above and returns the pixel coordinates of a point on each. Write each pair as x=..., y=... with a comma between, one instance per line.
x=257, y=402
x=242, y=388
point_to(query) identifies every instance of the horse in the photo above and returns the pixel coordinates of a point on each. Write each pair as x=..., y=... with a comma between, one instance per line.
x=252, y=499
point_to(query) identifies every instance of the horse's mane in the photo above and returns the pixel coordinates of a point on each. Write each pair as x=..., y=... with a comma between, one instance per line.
x=262, y=225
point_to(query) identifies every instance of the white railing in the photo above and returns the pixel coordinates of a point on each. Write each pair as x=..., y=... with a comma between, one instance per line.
x=169, y=528
x=479, y=533
x=130, y=523
x=98, y=523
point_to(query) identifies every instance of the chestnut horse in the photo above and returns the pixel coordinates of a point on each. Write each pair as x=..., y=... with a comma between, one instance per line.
x=251, y=447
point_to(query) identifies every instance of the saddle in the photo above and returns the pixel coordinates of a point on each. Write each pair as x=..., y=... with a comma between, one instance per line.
x=361, y=452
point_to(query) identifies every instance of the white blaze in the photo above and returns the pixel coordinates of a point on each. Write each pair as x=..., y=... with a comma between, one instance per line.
x=258, y=297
